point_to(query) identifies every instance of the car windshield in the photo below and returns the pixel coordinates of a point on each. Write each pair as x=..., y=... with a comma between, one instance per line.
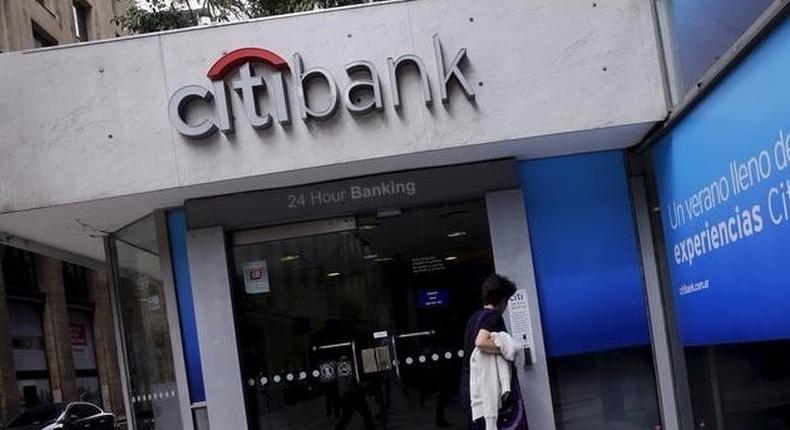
x=38, y=415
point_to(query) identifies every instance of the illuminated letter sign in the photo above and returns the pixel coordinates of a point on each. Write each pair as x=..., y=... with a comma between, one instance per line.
x=249, y=84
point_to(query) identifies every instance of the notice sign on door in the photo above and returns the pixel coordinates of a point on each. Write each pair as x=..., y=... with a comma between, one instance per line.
x=430, y=264
x=256, y=277
x=520, y=323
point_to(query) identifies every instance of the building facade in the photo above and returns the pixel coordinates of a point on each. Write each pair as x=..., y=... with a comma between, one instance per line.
x=58, y=338
x=297, y=212
x=29, y=24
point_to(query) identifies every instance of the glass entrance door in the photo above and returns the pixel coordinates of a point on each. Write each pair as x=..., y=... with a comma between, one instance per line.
x=358, y=323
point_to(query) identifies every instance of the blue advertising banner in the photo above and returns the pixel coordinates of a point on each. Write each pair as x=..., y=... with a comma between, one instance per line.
x=585, y=253
x=723, y=177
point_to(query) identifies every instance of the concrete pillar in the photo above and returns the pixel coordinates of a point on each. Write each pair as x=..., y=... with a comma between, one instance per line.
x=106, y=347
x=57, y=331
x=9, y=396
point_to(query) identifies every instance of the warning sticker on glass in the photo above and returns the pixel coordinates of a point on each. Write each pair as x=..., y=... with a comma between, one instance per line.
x=256, y=277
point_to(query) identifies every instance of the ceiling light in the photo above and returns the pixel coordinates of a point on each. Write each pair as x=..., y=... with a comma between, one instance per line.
x=371, y=257
x=386, y=213
x=383, y=259
x=368, y=226
x=450, y=258
x=456, y=234
x=290, y=257
x=333, y=274
x=453, y=213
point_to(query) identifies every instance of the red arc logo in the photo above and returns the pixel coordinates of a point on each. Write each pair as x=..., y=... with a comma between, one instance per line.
x=237, y=57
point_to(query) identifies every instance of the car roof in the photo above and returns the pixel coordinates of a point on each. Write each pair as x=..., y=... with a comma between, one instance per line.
x=84, y=403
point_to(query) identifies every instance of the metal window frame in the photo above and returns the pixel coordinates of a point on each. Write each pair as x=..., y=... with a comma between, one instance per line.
x=173, y=320
x=667, y=47
x=113, y=278
x=672, y=381
x=671, y=368
x=750, y=39
x=82, y=9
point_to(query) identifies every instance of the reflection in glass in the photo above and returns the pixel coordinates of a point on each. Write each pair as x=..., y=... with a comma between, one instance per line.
x=361, y=328
x=30, y=356
x=152, y=380
x=705, y=30
x=592, y=296
x=740, y=386
x=83, y=351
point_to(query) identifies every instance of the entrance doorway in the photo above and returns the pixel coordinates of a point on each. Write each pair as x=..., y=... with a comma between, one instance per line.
x=357, y=323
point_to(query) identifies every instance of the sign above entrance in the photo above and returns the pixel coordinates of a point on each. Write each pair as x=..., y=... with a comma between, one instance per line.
x=363, y=94
x=351, y=196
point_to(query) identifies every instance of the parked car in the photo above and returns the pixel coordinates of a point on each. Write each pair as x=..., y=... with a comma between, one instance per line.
x=63, y=416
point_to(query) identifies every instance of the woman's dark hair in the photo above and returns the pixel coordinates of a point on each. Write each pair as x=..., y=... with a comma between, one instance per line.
x=497, y=289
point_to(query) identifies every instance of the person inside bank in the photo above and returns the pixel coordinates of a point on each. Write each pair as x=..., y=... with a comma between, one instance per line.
x=490, y=391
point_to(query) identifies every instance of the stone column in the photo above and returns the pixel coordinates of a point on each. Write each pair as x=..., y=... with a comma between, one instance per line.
x=9, y=395
x=57, y=331
x=106, y=346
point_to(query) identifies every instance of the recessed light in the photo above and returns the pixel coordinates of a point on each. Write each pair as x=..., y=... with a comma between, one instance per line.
x=386, y=213
x=333, y=274
x=450, y=258
x=454, y=213
x=290, y=257
x=456, y=234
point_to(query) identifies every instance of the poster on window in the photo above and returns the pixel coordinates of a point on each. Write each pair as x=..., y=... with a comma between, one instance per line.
x=82, y=347
x=256, y=277
x=723, y=179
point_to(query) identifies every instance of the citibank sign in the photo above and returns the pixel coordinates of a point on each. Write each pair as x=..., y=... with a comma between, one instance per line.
x=363, y=79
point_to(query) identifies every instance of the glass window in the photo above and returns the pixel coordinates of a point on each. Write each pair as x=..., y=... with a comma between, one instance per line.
x=81, y=12
x=75, y=281
x=82, y=410
x=30, y=357
x=41, y=39
x=153, y=389
x=83, y=352
x=34, y=391
x=592, y=297
x=19, y=269
x=361, y=326
x=722, y=200
x=704, y=30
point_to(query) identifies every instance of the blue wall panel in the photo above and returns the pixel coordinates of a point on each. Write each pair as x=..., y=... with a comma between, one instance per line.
x=177, y=229
x=585, y=252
